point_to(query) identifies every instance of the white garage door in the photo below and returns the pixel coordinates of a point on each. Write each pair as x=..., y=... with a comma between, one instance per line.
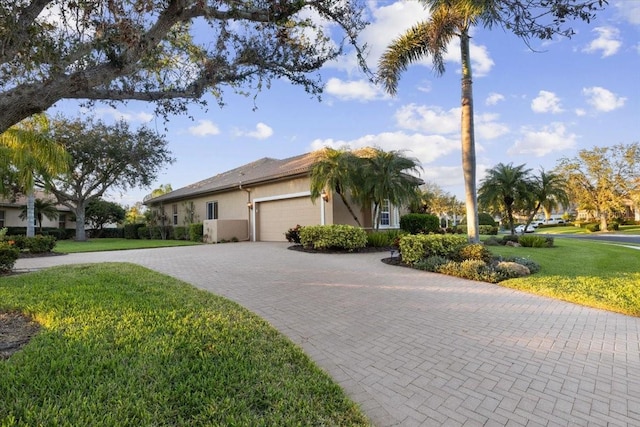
x=275, y=217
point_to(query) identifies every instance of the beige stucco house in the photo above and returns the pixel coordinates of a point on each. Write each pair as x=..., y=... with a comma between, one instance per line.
x=260, y=201
x=10, y=210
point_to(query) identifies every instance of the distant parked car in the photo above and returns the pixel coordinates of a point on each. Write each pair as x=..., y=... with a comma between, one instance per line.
x=521, y=229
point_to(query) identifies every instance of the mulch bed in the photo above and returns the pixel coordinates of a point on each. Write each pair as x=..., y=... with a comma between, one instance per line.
x=38, y=255
x=16, y=331
x=365, y=250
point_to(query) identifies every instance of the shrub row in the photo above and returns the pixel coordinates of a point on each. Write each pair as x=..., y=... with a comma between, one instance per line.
x=193, y=232
x=335, y=236
x=36, y=245
x=419, y=246
x=58, y=233
x=531, y=241
x=419, y=223
x=491, y=271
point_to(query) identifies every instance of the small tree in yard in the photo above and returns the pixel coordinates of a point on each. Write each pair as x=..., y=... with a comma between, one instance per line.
x=102, y=212
x=42, y=208
x=103, y=158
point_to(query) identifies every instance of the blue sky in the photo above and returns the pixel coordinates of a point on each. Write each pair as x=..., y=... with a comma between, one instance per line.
x=530, y=107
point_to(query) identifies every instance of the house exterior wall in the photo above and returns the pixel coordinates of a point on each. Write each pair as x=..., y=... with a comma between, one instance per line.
x=217, y=230
x=12, y=218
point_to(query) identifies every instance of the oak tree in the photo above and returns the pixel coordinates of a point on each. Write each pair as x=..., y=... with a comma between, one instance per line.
x=169, y=52
x=103, y=158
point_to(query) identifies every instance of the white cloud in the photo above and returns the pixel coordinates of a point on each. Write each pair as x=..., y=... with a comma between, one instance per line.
x=544, y=141
x=426, y=148
x=602, y=99
x=204, y=128
x=546, y=102
x=361, y=90
x=434, y=120
x=580, y=112
x=262, y=131
x=118, y=115
x=629, y=10
x=494, y=98
x=428, y=119
x=487, y=126
x=608, y=41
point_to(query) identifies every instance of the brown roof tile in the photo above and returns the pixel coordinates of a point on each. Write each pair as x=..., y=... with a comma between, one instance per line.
x=259, y=171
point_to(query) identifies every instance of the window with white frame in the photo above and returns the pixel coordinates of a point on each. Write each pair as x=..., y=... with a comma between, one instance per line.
x=62, y=220
x=385, y=213
x=212, y=210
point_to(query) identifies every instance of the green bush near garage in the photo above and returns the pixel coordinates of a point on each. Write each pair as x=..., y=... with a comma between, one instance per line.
x=335, y=236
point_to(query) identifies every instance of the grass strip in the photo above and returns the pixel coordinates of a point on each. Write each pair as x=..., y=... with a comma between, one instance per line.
x=123, y=345
x=98, y=245
x=593, y=274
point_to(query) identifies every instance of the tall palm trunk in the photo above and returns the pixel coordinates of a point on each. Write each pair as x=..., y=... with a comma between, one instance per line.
x=346, y=203
x=31, y=209
x=468, y=141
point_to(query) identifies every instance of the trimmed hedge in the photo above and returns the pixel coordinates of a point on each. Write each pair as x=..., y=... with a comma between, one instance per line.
x=418, y=246
x=334, y=236
x=416, y=223
x=196, y=231
x=131, y=231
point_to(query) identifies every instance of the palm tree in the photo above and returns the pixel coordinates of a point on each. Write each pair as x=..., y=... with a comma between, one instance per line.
x=449, y=19
x=549, y=191
x=504, y=187
x=27, y=150
x=335, y=170
x=42, y=208
x=385, y=176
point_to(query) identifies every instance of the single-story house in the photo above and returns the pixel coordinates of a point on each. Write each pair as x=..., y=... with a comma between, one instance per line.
x=260, y=201
x=10, y=210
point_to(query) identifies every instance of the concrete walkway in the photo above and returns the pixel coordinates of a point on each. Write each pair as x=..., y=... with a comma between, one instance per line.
x=414, y=348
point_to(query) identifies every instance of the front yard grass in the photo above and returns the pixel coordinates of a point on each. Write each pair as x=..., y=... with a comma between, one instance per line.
x=594, y=274
x=97, y=245
x=123, y=345
x=570, y=229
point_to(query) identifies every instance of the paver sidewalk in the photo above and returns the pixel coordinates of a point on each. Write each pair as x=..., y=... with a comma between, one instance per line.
x=421, y=349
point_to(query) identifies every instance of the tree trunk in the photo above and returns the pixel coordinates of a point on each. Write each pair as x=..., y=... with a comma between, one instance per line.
x=603, y=222
x=344, y=200
x=81, y=235
x=31, y=210
x=468, y=141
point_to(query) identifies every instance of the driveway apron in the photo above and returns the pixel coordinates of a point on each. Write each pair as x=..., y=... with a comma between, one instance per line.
x=422, y=349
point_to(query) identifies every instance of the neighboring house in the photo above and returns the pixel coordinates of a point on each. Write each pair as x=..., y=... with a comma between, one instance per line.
x=260, y=201
x=10, y=210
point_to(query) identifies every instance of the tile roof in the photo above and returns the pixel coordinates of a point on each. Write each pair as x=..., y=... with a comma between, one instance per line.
x=259, y=171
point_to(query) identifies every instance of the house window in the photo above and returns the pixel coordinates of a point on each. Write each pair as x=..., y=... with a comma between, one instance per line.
x=175, y=214
x=385, y=213
x=212, y=210
x=62, y=221
x=1, y=219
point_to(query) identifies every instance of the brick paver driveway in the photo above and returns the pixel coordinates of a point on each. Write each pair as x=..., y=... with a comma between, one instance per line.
x=415, y=348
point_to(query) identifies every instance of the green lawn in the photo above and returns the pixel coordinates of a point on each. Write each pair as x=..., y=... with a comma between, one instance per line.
x=570, y=229
x=123, y=345
x=595, y=274
x=97, y=245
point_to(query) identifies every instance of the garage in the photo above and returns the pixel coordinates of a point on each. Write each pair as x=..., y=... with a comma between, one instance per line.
x=275, y=217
